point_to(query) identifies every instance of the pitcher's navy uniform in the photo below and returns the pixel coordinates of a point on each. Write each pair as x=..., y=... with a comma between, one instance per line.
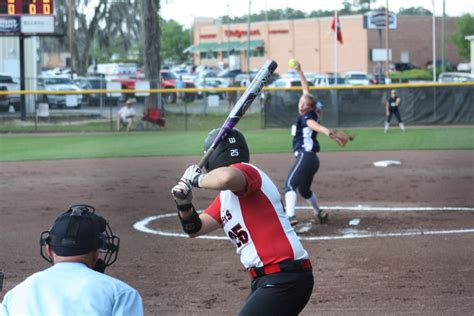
x=306, y=164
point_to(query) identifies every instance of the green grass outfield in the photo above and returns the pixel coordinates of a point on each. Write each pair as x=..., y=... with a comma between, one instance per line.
x=23, y=147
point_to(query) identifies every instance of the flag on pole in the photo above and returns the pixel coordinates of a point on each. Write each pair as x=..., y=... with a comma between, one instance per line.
x=337, y=25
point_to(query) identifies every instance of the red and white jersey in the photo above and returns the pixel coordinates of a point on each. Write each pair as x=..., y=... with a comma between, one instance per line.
x=255, y=221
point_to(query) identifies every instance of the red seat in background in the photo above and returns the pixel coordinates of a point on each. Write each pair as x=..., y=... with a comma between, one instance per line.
x=155, y=116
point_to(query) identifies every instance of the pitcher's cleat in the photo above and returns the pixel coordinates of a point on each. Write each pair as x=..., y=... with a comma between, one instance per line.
x=323, y=216
x=293, y=220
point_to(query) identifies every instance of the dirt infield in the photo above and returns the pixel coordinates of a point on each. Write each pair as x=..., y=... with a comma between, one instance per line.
x=398, y=259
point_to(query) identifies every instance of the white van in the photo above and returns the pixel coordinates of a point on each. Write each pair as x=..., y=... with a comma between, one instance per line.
x=357, y=78
x=115, y=70
x=455, y=77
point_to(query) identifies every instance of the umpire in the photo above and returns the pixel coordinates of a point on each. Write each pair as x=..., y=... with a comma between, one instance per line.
x=75, y=284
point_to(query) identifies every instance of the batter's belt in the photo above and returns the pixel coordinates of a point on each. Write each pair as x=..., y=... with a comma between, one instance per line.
x=285, y=266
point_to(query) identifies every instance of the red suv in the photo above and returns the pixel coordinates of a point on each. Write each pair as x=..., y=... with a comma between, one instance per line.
x=168, y=81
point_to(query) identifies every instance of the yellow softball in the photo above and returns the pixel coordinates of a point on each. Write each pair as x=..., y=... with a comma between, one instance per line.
x=292, y=63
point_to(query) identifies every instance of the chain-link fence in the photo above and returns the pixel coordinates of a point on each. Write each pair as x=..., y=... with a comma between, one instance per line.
x=95, y=107
x=438, y=104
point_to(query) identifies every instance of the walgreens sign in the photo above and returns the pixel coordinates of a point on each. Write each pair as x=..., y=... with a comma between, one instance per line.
x=239, y=34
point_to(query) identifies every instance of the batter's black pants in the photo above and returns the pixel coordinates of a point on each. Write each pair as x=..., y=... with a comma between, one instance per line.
x=300, y=177
x=394, y=110
x=279, y=294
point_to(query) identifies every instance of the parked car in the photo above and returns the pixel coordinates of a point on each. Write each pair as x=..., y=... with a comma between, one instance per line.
x=229, y=73
x=95, y=83
x=378, y=79
x=328, y=80
x=290, y=74
x=8, y=84
x=357, y=78
x=311, y=76
x=455, y=77
x=59, y=83
x=199, y=76
x=168, y=81
x=202, y=68
x=464, y=67
x=286, y=83
x=208, y=83
x=448, y=66
x=399, y=66
x=244, y=78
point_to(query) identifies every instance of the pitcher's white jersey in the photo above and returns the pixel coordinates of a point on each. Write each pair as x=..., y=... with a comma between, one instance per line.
x=255, y=221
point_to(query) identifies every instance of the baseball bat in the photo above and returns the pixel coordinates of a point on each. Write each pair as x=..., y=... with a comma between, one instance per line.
x=239, y=109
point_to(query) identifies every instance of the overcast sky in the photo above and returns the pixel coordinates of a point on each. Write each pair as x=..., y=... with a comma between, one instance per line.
x=184, y=11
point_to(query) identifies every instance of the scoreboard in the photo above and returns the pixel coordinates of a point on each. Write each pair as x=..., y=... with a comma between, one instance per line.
x=26, y=7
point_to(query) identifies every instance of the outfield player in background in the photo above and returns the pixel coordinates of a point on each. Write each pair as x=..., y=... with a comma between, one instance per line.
x=249, y=209
x=305, y=146
x=76, y=283
x=392, y=107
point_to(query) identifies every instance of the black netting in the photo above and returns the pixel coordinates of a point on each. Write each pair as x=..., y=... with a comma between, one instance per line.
x=366, y=107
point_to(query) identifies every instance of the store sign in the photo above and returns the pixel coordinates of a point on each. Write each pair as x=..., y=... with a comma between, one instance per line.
x=378, y=20
x=207, y=35
x=380, y=54
x=239, y=34
x=278, y=31
x=37, y=24
x=10, y=24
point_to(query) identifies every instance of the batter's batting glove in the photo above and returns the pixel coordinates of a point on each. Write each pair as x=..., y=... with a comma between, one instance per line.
x=183, y=195
x=194, y=174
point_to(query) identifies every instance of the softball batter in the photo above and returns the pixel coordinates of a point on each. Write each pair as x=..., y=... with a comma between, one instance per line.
x=249, y=209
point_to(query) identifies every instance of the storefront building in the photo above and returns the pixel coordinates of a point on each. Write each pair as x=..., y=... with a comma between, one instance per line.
x=312, y=42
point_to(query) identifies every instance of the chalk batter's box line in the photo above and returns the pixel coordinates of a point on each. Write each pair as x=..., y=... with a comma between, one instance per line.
x=390, y=209
x=142, y=225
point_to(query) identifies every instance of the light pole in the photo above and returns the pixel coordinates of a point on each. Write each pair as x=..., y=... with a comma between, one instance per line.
x=387, y=22
x=228, y=34
x=433, y=64
x=248, y=41
x=443, y=37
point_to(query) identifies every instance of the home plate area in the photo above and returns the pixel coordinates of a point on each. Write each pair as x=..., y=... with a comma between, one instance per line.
x=349, y=222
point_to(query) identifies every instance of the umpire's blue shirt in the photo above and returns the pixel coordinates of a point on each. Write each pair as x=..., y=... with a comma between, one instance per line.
x=71, y=288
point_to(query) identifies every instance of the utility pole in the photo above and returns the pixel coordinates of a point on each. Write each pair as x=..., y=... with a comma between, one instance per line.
x=387, y=62
x=248, y=40
x=443, y=37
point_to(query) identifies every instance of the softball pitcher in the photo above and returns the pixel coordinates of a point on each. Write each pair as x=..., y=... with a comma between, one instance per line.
x=305, y=146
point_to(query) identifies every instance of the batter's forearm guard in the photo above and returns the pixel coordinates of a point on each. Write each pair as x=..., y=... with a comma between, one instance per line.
x=192, y=224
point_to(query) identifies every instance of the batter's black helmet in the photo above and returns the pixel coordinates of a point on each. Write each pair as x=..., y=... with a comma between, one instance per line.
x=232, y=149
x=79, y=231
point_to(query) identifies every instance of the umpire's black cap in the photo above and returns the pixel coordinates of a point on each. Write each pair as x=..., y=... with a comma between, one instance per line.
x=77, y=231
